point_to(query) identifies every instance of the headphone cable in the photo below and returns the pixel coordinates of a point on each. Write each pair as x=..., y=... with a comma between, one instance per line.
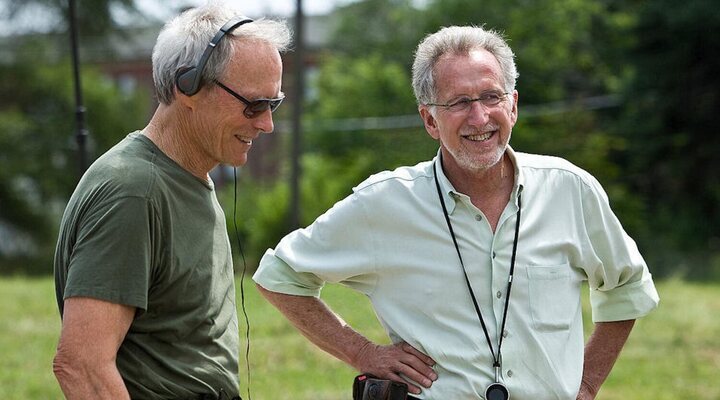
x=242, y=281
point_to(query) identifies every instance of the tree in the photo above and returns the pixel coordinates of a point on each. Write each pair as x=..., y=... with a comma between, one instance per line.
x=95, y=17
x=353, y=88
x=388, y=28
x=671, y=125
x=565, y=50
x=561, y=46
x=37, y=154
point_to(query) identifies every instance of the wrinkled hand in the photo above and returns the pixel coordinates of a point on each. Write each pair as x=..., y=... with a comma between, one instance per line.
x=392, y=361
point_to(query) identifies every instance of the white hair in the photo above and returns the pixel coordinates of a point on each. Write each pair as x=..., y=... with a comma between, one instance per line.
x=184, y=38
x=458, y=40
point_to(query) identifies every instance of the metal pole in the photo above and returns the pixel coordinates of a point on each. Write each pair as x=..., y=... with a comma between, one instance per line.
x=82, y=133
x=297, y=119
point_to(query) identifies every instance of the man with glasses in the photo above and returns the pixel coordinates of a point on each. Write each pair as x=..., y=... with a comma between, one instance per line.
x=473, y=261
x=143, y=266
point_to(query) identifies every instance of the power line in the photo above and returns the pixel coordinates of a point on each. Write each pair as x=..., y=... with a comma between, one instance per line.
x=414, y=120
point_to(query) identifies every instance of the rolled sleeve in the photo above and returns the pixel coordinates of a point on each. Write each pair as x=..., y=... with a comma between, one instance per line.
x=620, y=282
x=337, y=248
x=275, y=275
x=630, y=301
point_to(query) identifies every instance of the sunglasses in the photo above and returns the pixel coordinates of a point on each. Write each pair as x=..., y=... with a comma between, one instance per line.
x=253, y=108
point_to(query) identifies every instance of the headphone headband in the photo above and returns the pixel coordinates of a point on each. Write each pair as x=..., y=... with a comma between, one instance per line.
x=189, y=80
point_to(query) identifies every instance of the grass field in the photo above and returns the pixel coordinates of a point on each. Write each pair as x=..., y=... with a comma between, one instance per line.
x=673, y=353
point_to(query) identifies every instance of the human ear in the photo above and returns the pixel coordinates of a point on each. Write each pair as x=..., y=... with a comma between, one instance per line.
x=514, y=110
x=429, y=121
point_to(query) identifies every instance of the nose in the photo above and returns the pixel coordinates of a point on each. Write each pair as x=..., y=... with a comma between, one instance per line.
x=478, y=114
x=264, y=122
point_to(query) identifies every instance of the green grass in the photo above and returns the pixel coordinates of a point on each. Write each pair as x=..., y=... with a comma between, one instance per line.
x=673, y=353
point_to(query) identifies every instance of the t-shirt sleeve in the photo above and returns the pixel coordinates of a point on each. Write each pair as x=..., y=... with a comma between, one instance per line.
x=621, y=286
x=112, y=257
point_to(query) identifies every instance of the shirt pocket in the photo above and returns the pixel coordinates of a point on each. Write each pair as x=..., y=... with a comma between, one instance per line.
x=554, y=297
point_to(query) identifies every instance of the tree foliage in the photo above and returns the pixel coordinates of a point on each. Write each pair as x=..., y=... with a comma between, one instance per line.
x=371, y=86
x=670, y=125
x=94, y=17
x=37, y=148
x=653, y=146
x=386, y=28
x=653, y=149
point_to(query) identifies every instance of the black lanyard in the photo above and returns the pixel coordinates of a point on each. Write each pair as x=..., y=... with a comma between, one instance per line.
x=496, y=358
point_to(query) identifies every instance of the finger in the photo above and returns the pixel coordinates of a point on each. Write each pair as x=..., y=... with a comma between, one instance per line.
x=417, y=353
x=424, y=378
x=411, y=387
x=420, y=364
x=402, y=359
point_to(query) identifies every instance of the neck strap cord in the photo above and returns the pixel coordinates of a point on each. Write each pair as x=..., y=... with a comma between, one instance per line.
x=496, y=358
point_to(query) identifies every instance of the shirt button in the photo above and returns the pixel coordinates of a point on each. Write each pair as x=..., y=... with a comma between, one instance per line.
x=478, y=217
x=509, y=373
x=493, y=256
x=505, y=333
x=498, y=294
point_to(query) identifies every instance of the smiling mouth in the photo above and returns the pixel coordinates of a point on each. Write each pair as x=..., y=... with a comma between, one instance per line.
x=244, y=140
x=481, y=137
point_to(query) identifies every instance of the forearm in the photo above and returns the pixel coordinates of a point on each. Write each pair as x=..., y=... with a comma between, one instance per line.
x=399, y=362
x=320, y=325
x=601, y=352
x=89, y=382
x=92, y=332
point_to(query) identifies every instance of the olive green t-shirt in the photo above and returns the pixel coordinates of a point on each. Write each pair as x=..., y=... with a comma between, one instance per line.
x=140, y=230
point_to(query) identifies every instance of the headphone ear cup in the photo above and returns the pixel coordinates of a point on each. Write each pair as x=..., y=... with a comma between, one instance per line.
x=187, y=81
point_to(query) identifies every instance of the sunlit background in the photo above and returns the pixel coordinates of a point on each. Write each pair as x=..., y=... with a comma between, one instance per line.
x=628, y=90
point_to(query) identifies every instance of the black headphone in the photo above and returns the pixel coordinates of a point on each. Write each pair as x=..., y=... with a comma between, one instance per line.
x=189, y=79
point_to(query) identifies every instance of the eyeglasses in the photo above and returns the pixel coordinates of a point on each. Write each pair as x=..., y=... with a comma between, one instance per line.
x=488, y=99
x=253, y=108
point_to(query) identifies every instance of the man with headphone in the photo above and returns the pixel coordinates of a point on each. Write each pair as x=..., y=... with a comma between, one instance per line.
x=143, y=265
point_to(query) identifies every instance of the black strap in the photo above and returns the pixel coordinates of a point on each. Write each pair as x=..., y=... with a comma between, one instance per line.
x=496, y=358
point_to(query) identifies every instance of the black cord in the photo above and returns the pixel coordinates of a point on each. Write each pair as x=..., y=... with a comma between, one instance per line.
x=242, y=284
x=512, y=268
x=462, y=264
x=496, y=358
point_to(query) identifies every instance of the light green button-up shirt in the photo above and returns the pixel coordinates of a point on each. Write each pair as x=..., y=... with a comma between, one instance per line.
x=389, y=240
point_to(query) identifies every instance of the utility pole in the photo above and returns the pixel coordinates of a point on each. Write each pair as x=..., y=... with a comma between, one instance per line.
x=297, y=119
x=81, y=133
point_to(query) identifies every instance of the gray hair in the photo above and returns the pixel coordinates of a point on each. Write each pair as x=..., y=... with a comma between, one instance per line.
x=458, y=40
x=184, y=38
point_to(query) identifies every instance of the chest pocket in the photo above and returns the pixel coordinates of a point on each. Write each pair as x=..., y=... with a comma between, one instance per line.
x=554, y=297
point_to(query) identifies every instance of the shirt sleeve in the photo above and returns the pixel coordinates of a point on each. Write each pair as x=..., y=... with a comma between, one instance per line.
x=621, y=286
x=337, y=247
x=111, y=259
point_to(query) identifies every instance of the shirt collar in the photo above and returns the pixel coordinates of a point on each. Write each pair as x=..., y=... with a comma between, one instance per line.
x=447, y=190
x=451, y=195
x=519, y=176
